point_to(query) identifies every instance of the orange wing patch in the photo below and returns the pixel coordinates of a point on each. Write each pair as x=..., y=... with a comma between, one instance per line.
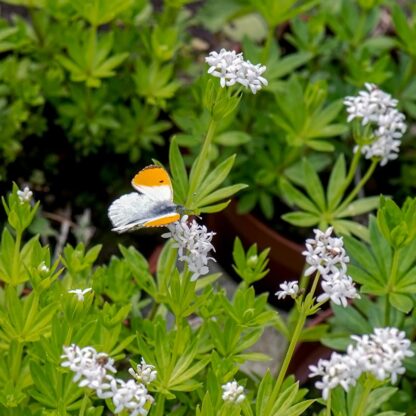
x=162, y=221
x=152, y=175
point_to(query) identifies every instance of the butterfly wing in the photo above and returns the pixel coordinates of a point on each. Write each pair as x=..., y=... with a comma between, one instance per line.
x=154, y=182
x=133, y=211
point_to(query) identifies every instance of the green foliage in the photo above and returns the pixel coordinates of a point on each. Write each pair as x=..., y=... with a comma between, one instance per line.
x=320, y=209
x=39, y=316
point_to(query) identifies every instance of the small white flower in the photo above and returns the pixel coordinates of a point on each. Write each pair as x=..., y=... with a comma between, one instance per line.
x=233, y=392
x=194, y=244
x=130, y=396
x=288, y=289
x=43, y=268
x=25, y=195
x=378, y=108
x=144, y=373
x=230, y=67
x=80, y=293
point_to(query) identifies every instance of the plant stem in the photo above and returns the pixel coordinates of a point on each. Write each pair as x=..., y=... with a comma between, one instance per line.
x=16, y=362
x=303, y=313
x=314, y=284
x=363, y=402
x=153, y=311
x=159, y=409
x=359, y=185
x=328, y=405
x=390, y=285
x=16, y=259
x=289, y=354
x=177, y=342
x=198, y=168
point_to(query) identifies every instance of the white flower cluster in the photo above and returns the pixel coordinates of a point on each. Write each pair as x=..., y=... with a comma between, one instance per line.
x=326, y=255
x=144, y=373
x=231, y=68
x=288, y=289
x=380, y=353
x=25, y=195
x=233, y=392
x=379, y=108
x=92, y=370
x=194, y=244
x=339, y=370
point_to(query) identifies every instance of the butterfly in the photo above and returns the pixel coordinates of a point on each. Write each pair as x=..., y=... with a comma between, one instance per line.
x=151, y=206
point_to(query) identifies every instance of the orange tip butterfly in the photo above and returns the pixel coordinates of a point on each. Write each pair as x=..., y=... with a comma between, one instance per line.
x=151, y=206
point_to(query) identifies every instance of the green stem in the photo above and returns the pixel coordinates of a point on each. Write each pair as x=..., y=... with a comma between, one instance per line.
x=359, y=186
x=289, y=353
x=362, y=407
x=176, y=344
x=198, y=168
x=314, y=284
x=303, y=313
x=153, y=311
x=390, y=285
x=16, y=259
x=328, y=405
x=69, y=332
x=159, y=409
x=16, y=362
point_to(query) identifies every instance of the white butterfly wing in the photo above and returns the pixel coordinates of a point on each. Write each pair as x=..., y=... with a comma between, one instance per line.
x=156, y=193
x=130, y=211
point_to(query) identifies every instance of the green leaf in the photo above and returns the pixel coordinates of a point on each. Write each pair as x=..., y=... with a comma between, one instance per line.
x=347, y=227
x=401, y=302
x=301, y=218
x=220, y=194
x=232, y=138
x=178, y=171
x=336, y=182
x=210, y=209
x=403, y=29
x=313, y=185
x=287, y=64
x=377, y=397
x=294, y=196
x=216, y=177
x=360, y=206
x=321, y=145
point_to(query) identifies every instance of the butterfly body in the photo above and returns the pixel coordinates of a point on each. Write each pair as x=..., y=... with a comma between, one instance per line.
x=151, y=206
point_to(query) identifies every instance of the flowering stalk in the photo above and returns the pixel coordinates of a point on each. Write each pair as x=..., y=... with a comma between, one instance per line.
x=359, y=185
x=306, y=307
x=16, y=258
x=328, y=405
x=200, y=162
x=369, y=384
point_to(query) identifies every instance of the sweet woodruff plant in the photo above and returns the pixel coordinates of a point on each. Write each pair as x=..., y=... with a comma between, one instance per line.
x=82, y=339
